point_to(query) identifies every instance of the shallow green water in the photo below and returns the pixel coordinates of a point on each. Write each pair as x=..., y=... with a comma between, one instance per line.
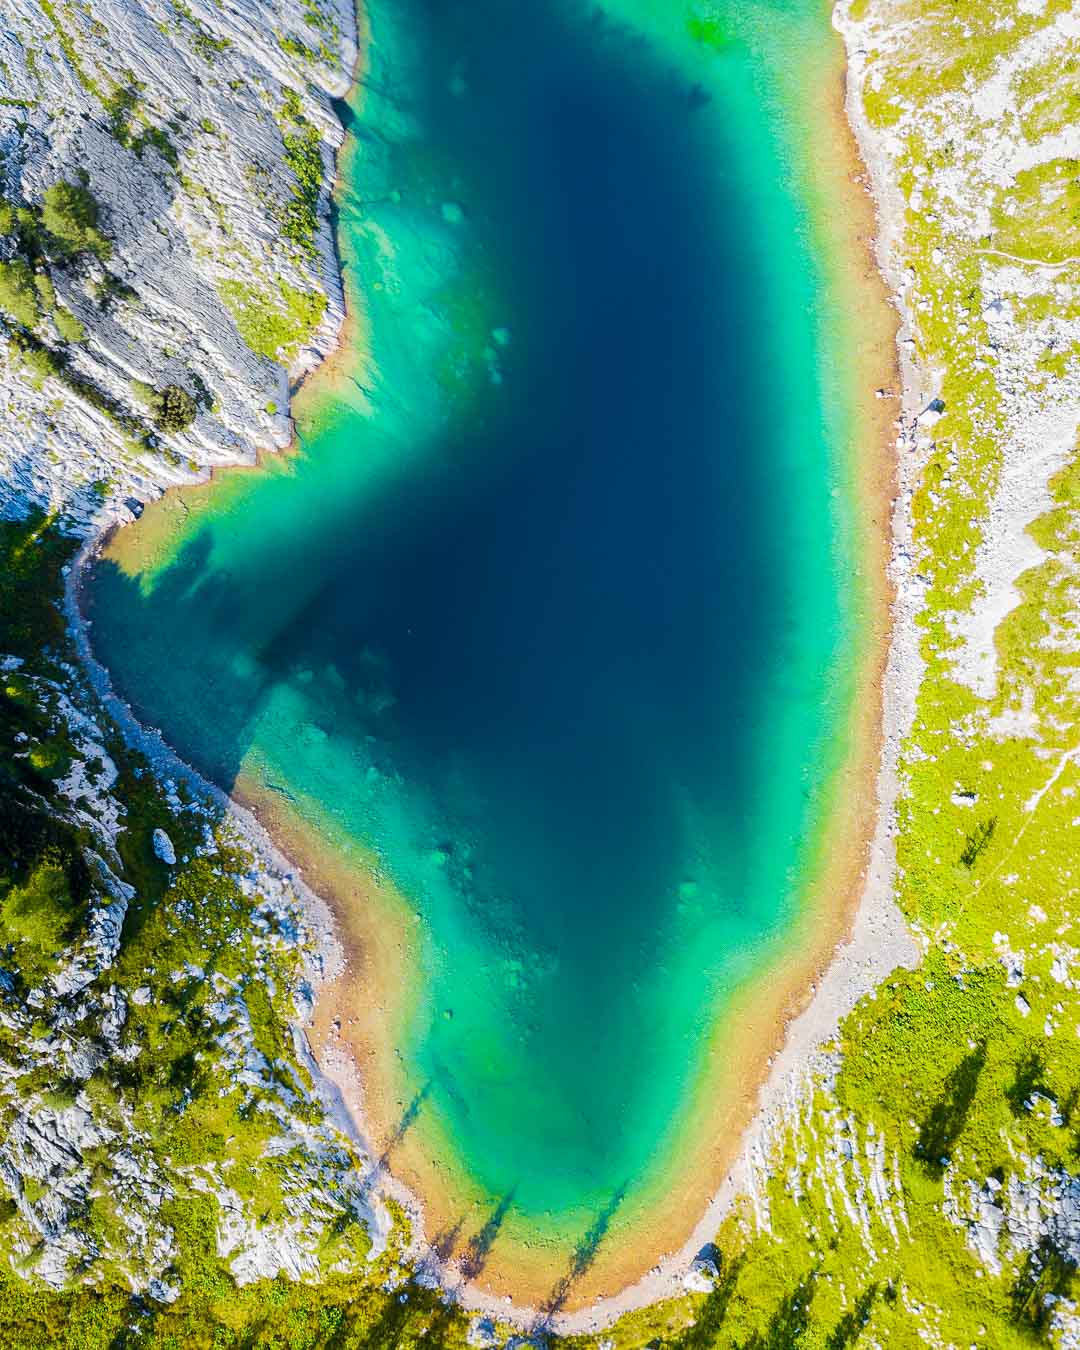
x=554, y=612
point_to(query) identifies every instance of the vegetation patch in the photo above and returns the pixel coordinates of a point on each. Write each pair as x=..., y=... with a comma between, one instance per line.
x=69, y=218
x=63, y=30
x=274, y=326
x=123, y=107
x=172, y=407
x=204, y=42
x=18, y=294
x=303, y=155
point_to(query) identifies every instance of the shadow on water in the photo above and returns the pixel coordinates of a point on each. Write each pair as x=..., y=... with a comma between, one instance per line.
x=567, y=602
x=408, y=1119
x=480, y=1244
x=584, y=1256
x=444, y=1245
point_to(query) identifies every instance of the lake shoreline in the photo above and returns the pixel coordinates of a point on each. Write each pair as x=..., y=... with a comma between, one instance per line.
x=796, y=1018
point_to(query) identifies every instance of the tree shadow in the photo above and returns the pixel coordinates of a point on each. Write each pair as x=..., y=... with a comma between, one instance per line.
x=582, y=1259
x=444, y=1242
x=847, y=1330
x=710, y=1319
x=943, y=1125
x=408, y=1119
x=387, y=1331
x=1047, y=1271
x=978, y=841
x=481, y=1243
x=1027, y=1079
x=789, y=1323
x=444, y=1328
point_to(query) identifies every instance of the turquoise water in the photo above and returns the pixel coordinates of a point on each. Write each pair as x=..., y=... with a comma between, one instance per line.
x=551, y=613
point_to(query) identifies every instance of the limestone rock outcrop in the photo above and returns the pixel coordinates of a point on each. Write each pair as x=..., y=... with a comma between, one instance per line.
x=206, y=134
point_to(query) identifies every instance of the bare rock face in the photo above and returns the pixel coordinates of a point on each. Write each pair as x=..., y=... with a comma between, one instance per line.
x=206, y=135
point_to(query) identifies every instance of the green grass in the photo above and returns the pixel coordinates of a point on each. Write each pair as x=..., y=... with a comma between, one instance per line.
x=69, y=326
x=273, y=325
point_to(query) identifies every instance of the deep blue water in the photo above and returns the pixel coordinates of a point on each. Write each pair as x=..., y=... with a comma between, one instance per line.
x=550, y=617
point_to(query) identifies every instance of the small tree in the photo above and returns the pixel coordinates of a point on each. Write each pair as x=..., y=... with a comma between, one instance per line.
x=69, y=214
x=18, y=294
x=176, y=409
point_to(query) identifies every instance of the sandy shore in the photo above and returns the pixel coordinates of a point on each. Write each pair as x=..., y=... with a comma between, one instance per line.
x=852, y=934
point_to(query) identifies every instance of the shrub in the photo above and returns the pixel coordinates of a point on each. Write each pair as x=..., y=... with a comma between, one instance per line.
x=176, y=409
x=162, y=142
x=18, y=294
x=303, y=154
x=38, y=916
x=41, y=364
x=50, y=759
x=62, y=1096
x=69, y=326
x=27, y=227
x=33, y=1189
x=69, y=214
x=46, y=291
x=120, y=105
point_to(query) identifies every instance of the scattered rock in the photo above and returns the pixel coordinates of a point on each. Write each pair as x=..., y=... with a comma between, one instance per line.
x=163, y=847
x=482, y=1333
x=702, y=1275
